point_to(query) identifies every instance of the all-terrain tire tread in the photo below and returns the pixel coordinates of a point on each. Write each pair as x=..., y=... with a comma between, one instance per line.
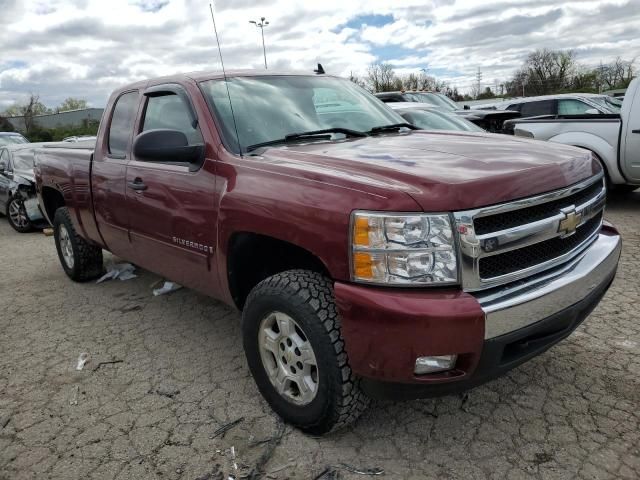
x=88, y=257
x=316, y=290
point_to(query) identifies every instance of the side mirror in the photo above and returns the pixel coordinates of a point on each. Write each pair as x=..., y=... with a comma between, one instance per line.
x=592, y=111
x=164, y=145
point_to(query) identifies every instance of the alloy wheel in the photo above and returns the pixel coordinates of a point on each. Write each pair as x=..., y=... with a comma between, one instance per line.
x=65, y=246
x=18, y=214
x=288, y=358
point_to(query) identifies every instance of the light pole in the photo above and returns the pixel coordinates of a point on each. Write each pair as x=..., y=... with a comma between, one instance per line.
x=262, y=23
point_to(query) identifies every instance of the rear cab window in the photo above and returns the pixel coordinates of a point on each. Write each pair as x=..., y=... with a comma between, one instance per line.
x=121, y=126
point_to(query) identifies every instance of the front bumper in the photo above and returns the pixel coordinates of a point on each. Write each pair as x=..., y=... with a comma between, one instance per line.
x=385, y=329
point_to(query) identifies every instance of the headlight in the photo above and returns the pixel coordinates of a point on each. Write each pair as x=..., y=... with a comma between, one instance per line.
x=403, y=249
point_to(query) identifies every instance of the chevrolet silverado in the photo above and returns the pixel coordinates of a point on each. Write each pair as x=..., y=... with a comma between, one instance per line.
x=368, y=258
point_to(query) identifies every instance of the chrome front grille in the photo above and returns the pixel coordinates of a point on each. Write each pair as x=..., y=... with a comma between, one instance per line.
x=507, y=242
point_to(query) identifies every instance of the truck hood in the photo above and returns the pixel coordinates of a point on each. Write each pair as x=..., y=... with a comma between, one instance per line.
x=441, y=171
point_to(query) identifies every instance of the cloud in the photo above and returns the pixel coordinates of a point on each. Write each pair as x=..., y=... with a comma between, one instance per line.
x=86, y=48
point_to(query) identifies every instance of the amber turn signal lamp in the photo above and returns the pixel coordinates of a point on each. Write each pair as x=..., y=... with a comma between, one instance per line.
x=361, y=231
x=363, y=265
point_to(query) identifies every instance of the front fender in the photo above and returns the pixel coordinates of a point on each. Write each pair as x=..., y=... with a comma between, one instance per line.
x=606, y=152
x=311, y=213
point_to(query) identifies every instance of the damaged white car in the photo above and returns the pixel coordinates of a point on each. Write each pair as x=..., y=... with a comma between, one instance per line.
x=18, y=200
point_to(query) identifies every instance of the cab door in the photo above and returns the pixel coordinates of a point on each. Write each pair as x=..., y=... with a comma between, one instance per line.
x=630, y=138
x=171, y=203
x=108, y=175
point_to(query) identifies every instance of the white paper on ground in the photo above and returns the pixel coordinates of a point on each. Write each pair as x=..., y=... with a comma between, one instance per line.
x=167, y=287
x=82, y=360
x=123, y=271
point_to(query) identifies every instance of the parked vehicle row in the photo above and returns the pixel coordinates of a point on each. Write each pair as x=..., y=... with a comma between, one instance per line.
x=489, y=120
x=562, y=104
x=368, y=258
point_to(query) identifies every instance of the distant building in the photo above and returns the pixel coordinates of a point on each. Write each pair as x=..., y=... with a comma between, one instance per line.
x=72, y=118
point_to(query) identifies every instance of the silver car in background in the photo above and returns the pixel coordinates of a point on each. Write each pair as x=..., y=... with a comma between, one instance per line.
x=428, y=117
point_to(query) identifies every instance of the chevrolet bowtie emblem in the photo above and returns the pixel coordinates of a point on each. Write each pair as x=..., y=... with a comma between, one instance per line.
x=570, y=223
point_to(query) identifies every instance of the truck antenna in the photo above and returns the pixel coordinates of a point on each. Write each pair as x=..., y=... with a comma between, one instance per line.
x=224, y=74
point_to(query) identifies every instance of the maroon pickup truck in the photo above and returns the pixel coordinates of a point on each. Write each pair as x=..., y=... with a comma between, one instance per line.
x=368, y=258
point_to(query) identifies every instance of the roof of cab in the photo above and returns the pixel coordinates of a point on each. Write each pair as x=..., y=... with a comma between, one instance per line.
x=201, y=76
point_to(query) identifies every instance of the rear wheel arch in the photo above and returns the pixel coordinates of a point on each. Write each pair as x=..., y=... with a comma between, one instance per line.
x=52, y=200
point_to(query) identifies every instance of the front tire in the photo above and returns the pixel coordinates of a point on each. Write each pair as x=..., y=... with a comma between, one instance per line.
x=17, y=215
x=296, y=354
x=80, y=260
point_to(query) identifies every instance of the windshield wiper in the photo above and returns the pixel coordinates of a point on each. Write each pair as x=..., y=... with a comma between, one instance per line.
x=392, y=128
x=324, y=134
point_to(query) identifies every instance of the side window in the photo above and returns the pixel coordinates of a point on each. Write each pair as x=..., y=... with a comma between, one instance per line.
x=170, y=112
x=515, y=107
x=121, y=126
x=533, y=109
x=573, y=107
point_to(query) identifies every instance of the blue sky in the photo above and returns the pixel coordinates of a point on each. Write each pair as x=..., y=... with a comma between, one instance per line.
x=85, y=48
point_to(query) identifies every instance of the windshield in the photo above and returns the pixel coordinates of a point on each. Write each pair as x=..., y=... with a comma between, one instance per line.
x=432, y=120
x=12, y=139
x=23, y=159
x=271, y=107
x=610, y=103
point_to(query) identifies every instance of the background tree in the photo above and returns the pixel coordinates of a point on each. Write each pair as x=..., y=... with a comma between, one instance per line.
x=33, y=106
x=32, y=109
x=617, y=74
x=487, y=93
x=72, y=104
x=357, y=80
x=381, y=77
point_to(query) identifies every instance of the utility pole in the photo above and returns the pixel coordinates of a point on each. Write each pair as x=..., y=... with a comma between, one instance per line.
x=479, y=81
x=261, y=24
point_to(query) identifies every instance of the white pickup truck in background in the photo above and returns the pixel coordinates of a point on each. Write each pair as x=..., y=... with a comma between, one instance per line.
x=612, y=138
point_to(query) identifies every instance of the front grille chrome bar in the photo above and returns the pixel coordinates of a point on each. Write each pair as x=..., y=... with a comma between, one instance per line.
x=561, y=222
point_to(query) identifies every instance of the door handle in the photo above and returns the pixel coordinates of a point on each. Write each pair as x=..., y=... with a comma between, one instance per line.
x=635, y=131
x=137, y=185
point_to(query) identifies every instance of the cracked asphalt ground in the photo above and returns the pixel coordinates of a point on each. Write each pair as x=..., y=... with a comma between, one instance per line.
x=573, y=412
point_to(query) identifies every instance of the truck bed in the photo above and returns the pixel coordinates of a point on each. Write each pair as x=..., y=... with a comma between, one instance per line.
x=67, y=168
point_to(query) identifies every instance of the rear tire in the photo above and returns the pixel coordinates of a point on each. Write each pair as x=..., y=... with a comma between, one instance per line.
x=80, y=260
x=17, y=215
x=303, y=303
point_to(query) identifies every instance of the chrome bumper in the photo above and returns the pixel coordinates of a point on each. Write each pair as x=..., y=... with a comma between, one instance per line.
x=524, y=303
